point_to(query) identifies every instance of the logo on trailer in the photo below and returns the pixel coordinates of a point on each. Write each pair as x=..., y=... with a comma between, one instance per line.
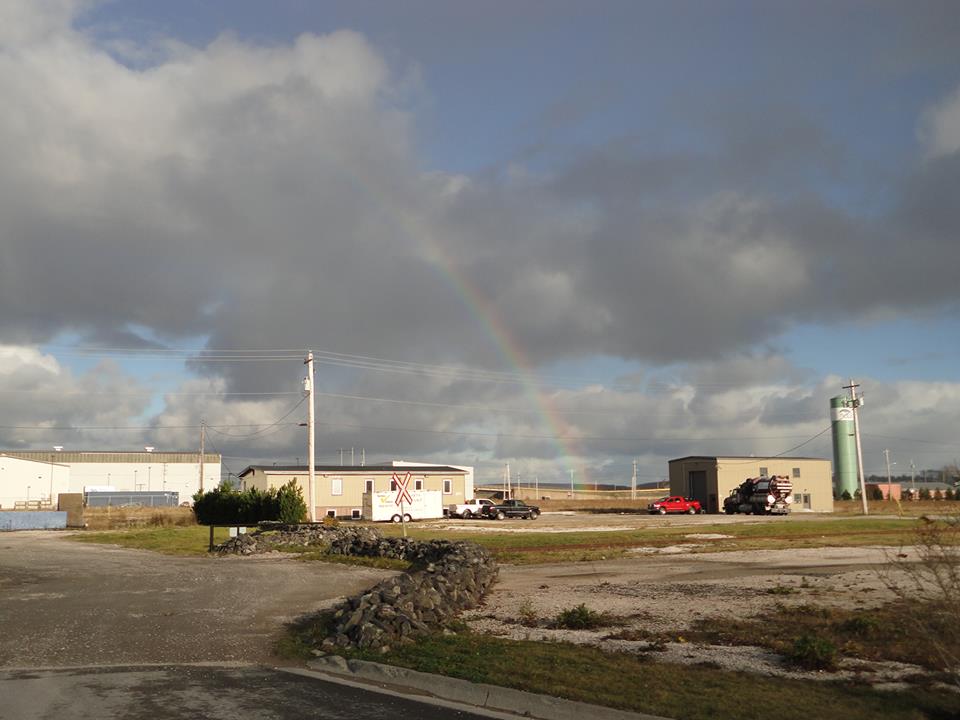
x=403, y=494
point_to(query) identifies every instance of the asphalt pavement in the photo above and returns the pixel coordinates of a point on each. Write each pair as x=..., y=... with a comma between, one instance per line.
x=214, y=693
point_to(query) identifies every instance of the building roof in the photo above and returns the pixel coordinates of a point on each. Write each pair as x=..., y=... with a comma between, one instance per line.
x=111, y=456
x=445, y=469
x=746, y=457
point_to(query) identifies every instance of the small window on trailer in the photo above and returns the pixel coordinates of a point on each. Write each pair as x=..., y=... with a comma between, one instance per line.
x=418, y=484
x=331, y=512
x=796, y=472
x=368, y=485
x=355, y=513
x=336, y=486
x=447, y=486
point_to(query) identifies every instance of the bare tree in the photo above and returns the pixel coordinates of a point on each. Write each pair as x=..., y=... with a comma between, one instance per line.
x=925, y=577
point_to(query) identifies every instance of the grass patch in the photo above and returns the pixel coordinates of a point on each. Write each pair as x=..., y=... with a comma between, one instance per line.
x=381, y=563
x=631, y=682
x=885, y=633
x=773, y=533
x=190, y=540
x=119, y=518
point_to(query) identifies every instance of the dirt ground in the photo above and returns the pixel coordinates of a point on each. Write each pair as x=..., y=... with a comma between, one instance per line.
x=665, y=589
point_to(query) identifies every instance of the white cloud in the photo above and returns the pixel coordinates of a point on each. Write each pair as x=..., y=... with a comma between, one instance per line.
x=940, y=126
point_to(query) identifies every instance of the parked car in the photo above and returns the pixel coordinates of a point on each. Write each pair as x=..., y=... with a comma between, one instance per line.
x=469, y=509
x=512, y=508
x=675, y=504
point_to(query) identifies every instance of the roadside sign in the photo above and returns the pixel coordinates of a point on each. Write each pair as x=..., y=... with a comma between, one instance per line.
x=403, y=492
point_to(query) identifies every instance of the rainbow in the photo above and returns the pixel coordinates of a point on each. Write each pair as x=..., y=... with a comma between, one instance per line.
x=511, y=350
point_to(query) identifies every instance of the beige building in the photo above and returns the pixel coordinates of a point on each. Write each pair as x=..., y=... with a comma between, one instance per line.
x=339, y=489
x=710, y=479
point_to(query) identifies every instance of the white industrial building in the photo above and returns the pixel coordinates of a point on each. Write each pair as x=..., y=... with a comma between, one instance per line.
x=42, y=474
x=24, y=480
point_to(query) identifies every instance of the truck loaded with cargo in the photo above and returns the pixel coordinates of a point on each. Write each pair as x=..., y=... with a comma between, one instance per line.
x=760, y=496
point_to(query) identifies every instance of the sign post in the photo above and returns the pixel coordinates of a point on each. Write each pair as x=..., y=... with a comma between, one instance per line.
x=403, y=496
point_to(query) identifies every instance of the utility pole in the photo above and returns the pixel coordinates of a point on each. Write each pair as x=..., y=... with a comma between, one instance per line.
x=363, y=457
x=341, y=457
x=913, y=479
x=537, y=484
x=203, y=438
x=308, y=387
x=509, y=484
x=571, y=482
x=852, y=387
x=633, y=482
x=352, y=461
x=886, y=454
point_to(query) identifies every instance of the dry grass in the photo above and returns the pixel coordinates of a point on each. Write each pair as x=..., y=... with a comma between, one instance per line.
x=612, y=504
x=107, y=518
x=906, y=508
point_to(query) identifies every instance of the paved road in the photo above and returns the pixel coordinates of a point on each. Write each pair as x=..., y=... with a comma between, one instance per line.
x=65, y=603
x=165, y=693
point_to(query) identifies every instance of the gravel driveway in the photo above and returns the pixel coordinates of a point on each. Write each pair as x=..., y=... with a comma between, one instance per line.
x=66, y=603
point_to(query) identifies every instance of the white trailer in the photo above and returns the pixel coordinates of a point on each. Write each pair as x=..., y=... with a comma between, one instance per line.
x=382, y=506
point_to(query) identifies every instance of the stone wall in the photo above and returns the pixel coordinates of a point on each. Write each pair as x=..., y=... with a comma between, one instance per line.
x=447, y=578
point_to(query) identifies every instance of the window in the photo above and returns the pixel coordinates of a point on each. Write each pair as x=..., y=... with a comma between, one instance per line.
x=418, y=484
x=447, y=486
x=355, y=513
x=368, y=485
x=763, y=472
x=796, y=472
x=393, y=485
x=331, y=512
x=798, y=498
x=336, y=486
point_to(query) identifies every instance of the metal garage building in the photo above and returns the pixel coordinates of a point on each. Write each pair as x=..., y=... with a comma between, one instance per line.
x=710, y=479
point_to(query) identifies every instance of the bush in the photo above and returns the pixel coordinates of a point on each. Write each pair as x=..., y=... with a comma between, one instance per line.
x=846, y=495
x=814, y=653
x=874, y=493
x=292, y=508
x=580, y=618
x=226, y=506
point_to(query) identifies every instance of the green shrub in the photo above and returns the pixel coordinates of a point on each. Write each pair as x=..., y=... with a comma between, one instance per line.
x=846, y=495
x=290, y=503
x=814, y=653
x=580, y=618
x=226, y=506
x=861, y=625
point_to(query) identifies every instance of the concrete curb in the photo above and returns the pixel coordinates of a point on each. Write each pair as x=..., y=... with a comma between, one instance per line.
x=480, y=695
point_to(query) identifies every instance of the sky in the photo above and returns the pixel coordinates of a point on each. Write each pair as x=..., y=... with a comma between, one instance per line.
x=559, y=235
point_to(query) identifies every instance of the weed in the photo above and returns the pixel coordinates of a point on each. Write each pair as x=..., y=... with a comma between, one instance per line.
x=780, y=590
x=527, y=614
x=860, y=626
x=580, y=618
x=814, y=653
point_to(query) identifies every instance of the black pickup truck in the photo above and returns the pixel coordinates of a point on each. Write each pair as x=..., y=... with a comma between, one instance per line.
x=512, y=508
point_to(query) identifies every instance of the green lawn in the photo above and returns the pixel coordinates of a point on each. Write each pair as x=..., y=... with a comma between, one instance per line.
x=189, y=540
x=633, y=682
x=540, y=547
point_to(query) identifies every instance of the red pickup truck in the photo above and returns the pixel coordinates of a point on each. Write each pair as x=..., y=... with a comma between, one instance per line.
x=675, y=504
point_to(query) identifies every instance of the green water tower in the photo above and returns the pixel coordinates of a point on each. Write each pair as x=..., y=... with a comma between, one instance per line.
x=844, y=445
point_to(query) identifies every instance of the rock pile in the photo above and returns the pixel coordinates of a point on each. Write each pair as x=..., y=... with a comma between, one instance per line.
x=455, y=577
x=448, y=577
